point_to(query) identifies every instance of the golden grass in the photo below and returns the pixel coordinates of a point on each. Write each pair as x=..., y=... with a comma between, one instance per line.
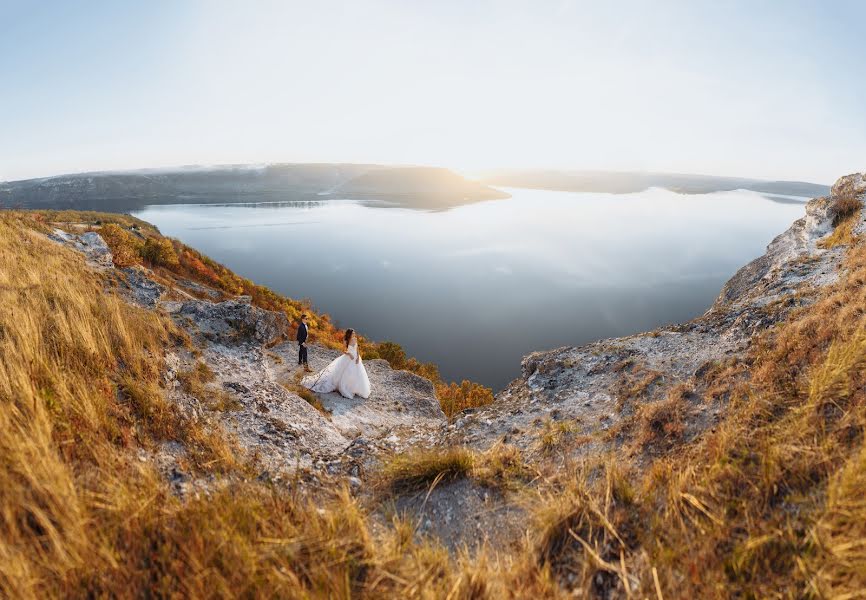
x=414, y=471
x=81, y=516
x=635, y=383
x=763, y=506
x=662, y=422
x=584, y=528
x=501, y=466
x=842, y=234
x=559, y=435
x=770, y=503
x=504, y=467
x=846, y=214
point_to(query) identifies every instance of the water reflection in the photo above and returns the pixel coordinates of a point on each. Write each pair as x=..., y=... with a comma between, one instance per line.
x=477, y=287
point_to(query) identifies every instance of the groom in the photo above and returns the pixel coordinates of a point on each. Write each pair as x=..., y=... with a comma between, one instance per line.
x=302, y=344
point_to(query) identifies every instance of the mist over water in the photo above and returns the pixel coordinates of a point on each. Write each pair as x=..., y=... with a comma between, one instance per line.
x=477, y=287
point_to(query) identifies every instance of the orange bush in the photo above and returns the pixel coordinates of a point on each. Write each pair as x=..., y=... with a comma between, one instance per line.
x=125, y=247
x=454, y=398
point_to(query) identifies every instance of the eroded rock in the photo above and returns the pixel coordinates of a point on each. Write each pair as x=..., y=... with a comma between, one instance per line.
x=96, y=252
x=140, y=288
x=235, y=321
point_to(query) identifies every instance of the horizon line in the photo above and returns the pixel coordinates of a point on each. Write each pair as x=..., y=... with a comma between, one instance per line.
x=464, y=172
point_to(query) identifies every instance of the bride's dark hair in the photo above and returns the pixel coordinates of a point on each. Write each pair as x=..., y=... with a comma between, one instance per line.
x=348, y=336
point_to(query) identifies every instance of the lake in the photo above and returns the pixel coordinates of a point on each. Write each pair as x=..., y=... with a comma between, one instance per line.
x=477, y=287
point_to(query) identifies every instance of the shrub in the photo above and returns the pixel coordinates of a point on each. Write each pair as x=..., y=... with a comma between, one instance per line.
x=844, y=207
x=393, y=353
x=845, y=210
x=125, y=247
x=454, y=398
x=159, y=252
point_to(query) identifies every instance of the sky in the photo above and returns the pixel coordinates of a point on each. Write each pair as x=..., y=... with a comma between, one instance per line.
x=767, y=89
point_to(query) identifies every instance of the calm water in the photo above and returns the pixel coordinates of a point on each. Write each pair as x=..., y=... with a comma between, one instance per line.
x=475, y=288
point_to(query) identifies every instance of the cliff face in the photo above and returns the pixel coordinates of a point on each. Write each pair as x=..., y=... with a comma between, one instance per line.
x=596, y=389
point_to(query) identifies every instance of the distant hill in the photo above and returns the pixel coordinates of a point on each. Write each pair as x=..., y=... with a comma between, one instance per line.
x=121, y=191
x=430, y=187
x=623, y=182
x=412, y=187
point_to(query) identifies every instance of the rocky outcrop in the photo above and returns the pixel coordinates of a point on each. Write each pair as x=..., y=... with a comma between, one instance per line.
x=400, y=400
x=267, y=420
x=256, y=379
x=96, y=252
x=849, y=185
x=233, y=321
x=140, y=288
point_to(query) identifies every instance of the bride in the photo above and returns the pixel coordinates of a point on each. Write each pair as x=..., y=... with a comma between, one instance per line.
x=346, y=373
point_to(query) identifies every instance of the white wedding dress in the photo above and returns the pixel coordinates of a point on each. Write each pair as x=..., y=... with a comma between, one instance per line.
x=343, y=375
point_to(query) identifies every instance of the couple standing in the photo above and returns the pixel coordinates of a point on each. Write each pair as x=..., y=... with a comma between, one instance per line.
x=346, y=373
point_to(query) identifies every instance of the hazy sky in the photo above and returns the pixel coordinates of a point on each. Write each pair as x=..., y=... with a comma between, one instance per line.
x=752, y=88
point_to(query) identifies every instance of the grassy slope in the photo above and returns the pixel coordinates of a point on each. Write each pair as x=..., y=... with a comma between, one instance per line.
x=81, y=515
x=770, y=503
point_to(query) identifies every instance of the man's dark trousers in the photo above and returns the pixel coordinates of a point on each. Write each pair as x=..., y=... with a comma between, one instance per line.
x=302, y=346
x=302, y=354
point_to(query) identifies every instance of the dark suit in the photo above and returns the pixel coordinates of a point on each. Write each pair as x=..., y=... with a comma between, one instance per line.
x=302, y=346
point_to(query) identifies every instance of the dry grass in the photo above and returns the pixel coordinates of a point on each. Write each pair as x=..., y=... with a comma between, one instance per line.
x=79, y=387
x=584, y=528
x=311, y=398
x=662, y=423
x=846, y=213
x=501, y=466
x=196, y=382
x=770, y=503
x=414, y=471
x=841, y=235
x=558, y=436
x=636, y=383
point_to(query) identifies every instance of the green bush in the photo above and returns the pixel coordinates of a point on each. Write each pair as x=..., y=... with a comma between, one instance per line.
x=393, y=353
x=159, y=252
